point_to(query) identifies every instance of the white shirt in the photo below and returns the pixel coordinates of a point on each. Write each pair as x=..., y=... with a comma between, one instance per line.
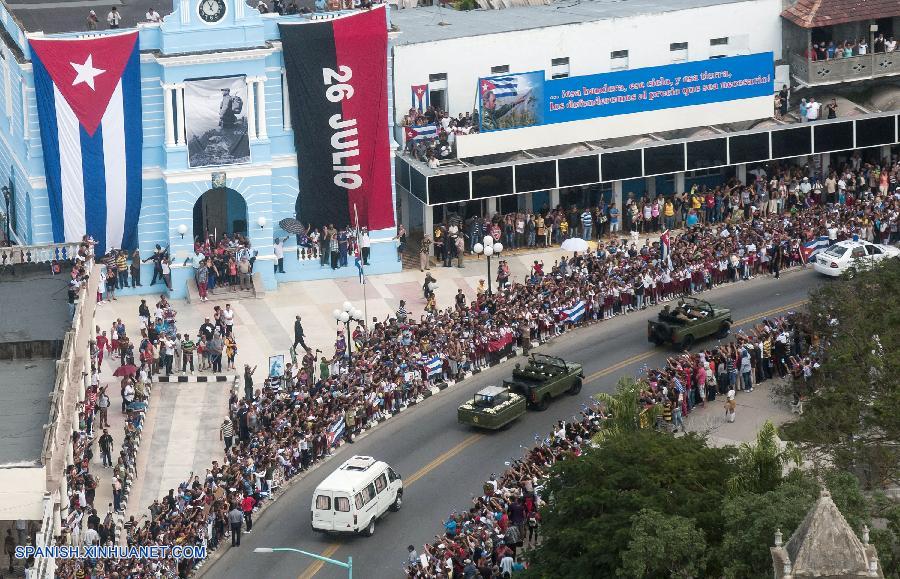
x=279, y=249
x=153, y=16
x=113, y=18
x=812, y=110
x=228, y=314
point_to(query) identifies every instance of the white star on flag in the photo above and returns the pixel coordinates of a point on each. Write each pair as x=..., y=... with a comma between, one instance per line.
x=86, y=72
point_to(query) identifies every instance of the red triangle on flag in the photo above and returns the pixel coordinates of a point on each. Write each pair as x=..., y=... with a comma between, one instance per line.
x=86, y=71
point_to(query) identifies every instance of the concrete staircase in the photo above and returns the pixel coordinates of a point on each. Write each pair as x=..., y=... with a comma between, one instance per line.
x=224, y=293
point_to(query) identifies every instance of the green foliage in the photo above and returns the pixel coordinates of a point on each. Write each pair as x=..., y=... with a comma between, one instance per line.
x=851, y=419
x=663, y=546
x=760, y=466
x=465, y=5
x=625, y=409
x=587, y=525
x=752, y=519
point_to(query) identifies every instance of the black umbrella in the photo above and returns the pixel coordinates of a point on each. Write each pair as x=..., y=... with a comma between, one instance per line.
x=291, y=225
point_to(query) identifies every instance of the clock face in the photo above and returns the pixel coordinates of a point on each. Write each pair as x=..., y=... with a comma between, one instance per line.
x=211, y=10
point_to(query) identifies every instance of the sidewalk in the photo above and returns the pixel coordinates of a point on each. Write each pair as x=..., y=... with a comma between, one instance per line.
x=753, y=410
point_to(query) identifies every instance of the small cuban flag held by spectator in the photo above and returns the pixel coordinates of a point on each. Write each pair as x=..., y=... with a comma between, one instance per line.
x=665, y=248
x=434, y=366
x=335, y=431
x=420, y=97
x=810, y=248
x=573, y=314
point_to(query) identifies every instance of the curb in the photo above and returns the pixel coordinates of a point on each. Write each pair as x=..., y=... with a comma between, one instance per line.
x=195, y=378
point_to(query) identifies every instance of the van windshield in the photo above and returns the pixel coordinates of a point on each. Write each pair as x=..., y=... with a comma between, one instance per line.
x=342, y=504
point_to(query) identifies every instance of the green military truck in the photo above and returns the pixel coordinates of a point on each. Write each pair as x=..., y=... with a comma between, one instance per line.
x=492, y=408
x=545, y=377
x=690, y=320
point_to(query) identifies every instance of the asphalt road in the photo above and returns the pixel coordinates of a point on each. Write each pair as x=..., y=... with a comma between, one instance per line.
x=443, y=463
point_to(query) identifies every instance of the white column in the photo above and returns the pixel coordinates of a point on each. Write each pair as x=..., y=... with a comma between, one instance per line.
x=741, y=172
x=650, y=183
x=529, y=202
x=285, y=102
x=617, y=197
x=179, y=115
x=679, y=182
x=251, y=108
x=167, y=112
x=239, y=10
x=261, y=106
x=491, y=206
x=554, y=198
x=26, y=129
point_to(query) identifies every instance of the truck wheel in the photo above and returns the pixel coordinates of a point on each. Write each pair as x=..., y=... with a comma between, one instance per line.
x=576, y=387
x=543, y=404
x=723, y=331
x=657, y=342
x=370, y=530
x=687, y=342
x=398, y=502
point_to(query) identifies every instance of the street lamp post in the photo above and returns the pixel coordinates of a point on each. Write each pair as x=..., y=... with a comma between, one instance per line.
x=348, y=565
x=488, y=248
x=345, y=316
x=6, y=196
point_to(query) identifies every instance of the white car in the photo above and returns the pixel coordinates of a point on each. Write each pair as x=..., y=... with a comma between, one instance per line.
x=848, y=254
x=354, y=496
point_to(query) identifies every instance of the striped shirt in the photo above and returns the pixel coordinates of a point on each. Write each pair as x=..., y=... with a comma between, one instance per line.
x=227, y=429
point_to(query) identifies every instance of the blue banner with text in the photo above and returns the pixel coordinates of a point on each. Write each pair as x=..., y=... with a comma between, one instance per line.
x=617, y=93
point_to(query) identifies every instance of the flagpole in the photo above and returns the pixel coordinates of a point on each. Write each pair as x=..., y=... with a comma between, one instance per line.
x=361, y=268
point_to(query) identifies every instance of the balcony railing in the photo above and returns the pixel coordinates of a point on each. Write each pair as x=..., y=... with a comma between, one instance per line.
x=16, y=254
x=821, y=72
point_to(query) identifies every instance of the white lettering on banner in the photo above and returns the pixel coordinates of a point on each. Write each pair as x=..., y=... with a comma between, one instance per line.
x=342, y=140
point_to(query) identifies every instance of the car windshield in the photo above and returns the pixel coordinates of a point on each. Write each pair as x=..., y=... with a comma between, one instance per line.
x=836, y=251
x=485, y=401
x=548, y=360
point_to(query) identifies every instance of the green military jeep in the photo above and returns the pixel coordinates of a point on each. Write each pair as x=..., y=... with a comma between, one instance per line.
x=492, y=408
x=545, y=377
x=690, y=320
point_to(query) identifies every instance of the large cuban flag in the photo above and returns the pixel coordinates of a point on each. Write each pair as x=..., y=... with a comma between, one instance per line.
x=88, y=94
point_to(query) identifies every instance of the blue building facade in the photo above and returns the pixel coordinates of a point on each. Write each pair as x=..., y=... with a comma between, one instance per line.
x=251, y=197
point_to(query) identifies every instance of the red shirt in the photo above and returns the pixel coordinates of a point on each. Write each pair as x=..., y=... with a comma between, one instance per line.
x=247, y=504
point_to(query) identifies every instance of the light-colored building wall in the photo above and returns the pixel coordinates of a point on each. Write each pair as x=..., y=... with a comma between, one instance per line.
x=752, y=26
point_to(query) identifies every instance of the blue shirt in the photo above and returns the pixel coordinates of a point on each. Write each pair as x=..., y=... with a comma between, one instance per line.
x=691, y=219
x=614, y=215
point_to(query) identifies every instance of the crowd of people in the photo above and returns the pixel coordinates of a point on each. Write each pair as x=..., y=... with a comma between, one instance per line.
x=830, y=50
x=283, y=425
x=433, y=133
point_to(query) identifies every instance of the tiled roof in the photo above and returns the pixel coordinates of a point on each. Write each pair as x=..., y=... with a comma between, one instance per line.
x=819, y=13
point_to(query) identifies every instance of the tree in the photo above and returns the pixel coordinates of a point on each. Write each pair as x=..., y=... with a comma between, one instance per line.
x=626, y=414
x=663, y=546
x=592, y=500
x=761, y=466
x=850, y=419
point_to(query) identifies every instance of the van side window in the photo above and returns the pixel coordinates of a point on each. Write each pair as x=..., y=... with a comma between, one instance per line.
x=381, y=483
x=323, y=502
x=392, y=476
x=342, y=504
x=368, y=493
x=359, y=501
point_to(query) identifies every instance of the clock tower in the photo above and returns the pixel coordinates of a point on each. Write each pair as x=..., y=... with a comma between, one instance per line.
x=207, y=25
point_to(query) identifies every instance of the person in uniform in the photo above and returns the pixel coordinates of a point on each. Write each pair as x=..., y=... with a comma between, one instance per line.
x=227, y=118
x=492, y=113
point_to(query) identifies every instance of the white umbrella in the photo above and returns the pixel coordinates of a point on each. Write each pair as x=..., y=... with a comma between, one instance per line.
x=575, y=244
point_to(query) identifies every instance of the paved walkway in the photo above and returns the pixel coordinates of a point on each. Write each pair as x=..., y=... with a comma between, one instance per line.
x=753, y=410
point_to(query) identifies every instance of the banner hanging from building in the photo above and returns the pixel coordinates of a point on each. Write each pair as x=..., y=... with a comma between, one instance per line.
x=216, y=121
x=88, y=95
x=337, y=81
x=525, y=99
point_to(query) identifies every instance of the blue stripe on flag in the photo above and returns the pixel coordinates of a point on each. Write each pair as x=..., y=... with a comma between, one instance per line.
x=134, y=136
x=434, y=366
x=43, y=85
x=94, y=173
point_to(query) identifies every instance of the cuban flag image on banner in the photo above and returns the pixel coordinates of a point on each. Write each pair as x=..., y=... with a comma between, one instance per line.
x=574, y=313
x=501, y=86
x=420, y=97
x=810, y=248
x=416, y=133
x=434, y=366
x=335, y=431
x=88, y=95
